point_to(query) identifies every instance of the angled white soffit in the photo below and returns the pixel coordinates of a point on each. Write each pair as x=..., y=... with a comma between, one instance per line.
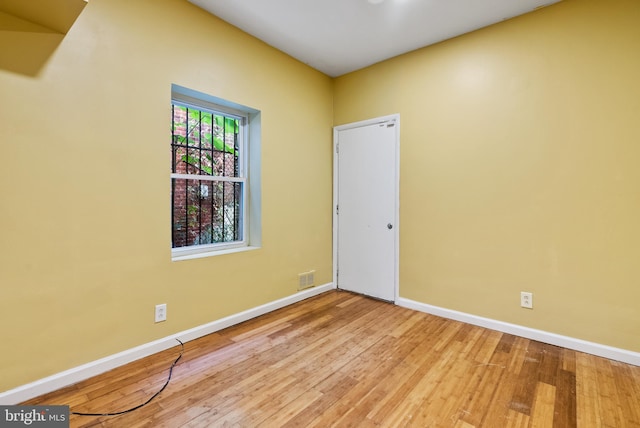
x=340, y=36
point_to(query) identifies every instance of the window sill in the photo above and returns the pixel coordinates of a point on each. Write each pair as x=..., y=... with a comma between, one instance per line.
x=211, y=253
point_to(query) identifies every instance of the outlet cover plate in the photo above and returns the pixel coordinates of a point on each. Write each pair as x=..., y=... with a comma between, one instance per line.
x=161, y=312
x=526, y=300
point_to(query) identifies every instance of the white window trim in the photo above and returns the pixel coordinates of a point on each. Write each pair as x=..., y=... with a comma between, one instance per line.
x=202, y=253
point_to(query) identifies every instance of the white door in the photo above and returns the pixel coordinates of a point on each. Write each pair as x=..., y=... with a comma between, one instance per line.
x=365, y=194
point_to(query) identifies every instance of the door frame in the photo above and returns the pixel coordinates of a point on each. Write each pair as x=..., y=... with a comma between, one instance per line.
x=396, y=221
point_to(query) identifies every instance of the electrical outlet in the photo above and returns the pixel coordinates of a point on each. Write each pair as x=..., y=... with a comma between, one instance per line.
x=526, y=300
x=161, y=312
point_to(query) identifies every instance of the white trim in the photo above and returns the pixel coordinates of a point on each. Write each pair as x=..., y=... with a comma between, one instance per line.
x=397, y=207
x=85, y=371
x=336, y=129
x=184, y=94
x=367, y=122
x=192, y=254
x=206, y=106
x=600, y=350
x=194, y=177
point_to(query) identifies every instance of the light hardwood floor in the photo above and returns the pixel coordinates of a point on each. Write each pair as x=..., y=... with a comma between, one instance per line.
x=340, y=359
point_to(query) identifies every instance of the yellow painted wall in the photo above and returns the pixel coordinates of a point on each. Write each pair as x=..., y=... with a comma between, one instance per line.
x=520, y=168
x=85, y=212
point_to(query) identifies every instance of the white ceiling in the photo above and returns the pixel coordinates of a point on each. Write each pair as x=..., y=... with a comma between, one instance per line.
x=339, y=36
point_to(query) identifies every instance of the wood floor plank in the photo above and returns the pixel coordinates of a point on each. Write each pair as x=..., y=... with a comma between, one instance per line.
x=401, y=381
x=524, y=393
x=629, y=391
x=463, y=424
x=548, y=368
x=447, y=402
x=344, y=360
x=422, y=390
x=379, y=361
x=568, y=358
x=518, y=354
x=543, y=406
x=516, y=420
x=333, y=389
x=608, y=393
x=486, y=376
x=565, y=400
x=588, y=404
x=492, y=409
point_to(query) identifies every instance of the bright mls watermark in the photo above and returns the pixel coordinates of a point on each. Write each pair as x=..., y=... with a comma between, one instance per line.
x=34, y=416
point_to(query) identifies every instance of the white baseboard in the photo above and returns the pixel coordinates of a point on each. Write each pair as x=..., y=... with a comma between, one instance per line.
x=605, y=351
x=85, y=371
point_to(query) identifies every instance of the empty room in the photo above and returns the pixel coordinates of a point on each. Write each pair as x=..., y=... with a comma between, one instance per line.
x=343, y=213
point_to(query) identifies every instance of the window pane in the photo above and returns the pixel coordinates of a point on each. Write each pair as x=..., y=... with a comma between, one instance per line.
x=232, y=211
x=205, y=212
x=204, y=143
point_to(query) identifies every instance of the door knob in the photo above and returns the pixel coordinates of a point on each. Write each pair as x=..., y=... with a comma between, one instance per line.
x=389, y=226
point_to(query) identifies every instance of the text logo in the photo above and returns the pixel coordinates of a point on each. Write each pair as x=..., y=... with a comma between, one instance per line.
x=34, y=416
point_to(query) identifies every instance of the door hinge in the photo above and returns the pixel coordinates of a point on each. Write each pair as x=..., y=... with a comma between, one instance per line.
x=337, y=210
x=337, y=149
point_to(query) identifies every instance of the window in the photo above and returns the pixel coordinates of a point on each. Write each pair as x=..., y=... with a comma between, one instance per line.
x=209, y=176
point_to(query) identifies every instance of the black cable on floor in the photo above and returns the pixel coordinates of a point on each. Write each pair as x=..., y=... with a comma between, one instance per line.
x=146, y=402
